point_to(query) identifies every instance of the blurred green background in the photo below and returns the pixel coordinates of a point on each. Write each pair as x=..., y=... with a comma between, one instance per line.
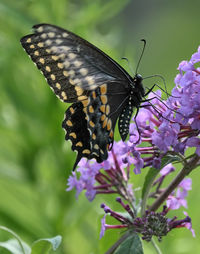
x=35, y=160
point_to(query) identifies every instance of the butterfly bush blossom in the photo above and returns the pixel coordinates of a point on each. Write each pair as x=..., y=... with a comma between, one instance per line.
x=166, y=128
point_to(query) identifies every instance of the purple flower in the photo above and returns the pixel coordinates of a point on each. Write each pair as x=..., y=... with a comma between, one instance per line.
x=177, y=199
x=188, y=225
x=186, y=222
x=167, y=170
x=73, y=182
x=86, y=180
x=103, y=226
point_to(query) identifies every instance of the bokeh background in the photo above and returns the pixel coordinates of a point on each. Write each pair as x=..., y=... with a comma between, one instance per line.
x=35, y=161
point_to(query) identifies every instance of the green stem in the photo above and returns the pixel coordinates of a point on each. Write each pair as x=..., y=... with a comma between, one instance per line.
x=157, y=249
x=146, y=192
x=115, y=245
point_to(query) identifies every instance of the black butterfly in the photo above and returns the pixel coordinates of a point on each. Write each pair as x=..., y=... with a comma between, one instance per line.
x=100, y=89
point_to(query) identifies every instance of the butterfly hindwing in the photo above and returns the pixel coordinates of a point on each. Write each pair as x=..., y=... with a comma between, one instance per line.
x=90, y=124
x=102, y=111
x=75, y=126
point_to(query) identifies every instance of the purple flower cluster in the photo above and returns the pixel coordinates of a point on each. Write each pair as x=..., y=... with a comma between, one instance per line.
x=110, y=176
x=149, y=225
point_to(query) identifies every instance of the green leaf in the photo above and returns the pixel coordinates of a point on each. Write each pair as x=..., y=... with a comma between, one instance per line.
x=132, y=245
x=43, y=246
x=151, y=175
x=15, y=248
x=169, y=158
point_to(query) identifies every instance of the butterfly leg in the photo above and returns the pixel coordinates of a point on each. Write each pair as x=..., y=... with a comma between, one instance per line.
x=135, y=120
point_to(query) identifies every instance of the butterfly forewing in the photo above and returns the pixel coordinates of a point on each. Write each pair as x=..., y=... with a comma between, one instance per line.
x=79, y=72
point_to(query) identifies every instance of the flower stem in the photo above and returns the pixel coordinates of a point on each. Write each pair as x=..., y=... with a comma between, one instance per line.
x=158, y=251
x=189, y=166
x=115, y=245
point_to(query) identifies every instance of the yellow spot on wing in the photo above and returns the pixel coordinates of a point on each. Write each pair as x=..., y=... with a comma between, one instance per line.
x=71, y=73
x=94, y=136
x=58, y=85
x=91, y=124
x=69, y=123
x=71, y=81
x=109, y=125
x=103, y=89
x=58, y=41
x=51, y=34
x=86, y=151
x=103, y=117
x=60, y=65
x=77, y=63
x=105, y=122
x=43, y=36
x=104, y=99
x=85, y=111
x=111, y=134
x=41, y=60
x=72, y=56
x=103, y=108
x=54, y=49
x=40, y=29
x=28, y=40
x=85, y=102
x=64, y=95
x=73, y=135
x=79, y=144
x=83, y=97
x=55, y=58
x=48, y=42
x=65, y=73
x=101, y=151
x=32, y=46
x=84, y=71
x=53, y=77
x=48, y=68
x=36, y=53
x=71, y=110
x=91, y=110
x=96, y=147
x=40, y=44
x=66, y=64
x=107, y=110
x=94, y=95
x=64, y=35
x=62, y=56
x=79, y=91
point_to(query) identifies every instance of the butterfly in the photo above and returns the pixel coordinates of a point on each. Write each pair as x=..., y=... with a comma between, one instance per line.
x=100, y=90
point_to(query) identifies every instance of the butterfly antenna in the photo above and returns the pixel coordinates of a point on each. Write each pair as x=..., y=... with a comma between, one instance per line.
x=144, y=41
x=130, y=67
